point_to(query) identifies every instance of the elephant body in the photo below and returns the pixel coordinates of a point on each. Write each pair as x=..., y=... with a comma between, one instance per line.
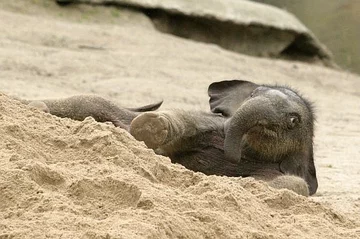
x=253, y=130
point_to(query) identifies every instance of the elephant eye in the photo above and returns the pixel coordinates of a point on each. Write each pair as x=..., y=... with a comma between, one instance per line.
x=293, y=121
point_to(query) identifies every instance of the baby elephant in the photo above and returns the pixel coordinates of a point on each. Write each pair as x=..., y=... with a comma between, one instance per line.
x=254, y=130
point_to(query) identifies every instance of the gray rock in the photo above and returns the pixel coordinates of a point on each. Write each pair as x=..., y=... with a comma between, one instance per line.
x=237, y=25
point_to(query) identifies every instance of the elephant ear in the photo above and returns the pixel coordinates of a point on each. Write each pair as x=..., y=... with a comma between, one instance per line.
x=227, y=96
x=302, y=165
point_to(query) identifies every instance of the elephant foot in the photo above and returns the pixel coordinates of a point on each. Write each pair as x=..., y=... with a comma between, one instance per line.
x=150, y=127
x=36, y=104
x=292, y=183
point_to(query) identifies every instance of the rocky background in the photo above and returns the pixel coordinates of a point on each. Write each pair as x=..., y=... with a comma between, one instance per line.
x=336, y=23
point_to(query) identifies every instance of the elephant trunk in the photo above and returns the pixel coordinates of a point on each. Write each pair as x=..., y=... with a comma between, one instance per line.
x=253, y=129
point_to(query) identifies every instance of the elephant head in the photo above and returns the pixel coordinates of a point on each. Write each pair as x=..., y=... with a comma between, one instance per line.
x=266, y=124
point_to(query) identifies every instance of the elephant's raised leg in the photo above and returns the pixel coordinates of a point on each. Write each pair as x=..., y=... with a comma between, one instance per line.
x=169, y=131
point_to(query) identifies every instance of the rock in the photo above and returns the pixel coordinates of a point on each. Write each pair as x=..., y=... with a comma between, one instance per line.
x=240, y=26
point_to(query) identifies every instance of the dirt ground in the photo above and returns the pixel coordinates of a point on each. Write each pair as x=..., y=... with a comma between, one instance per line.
x=62, y=178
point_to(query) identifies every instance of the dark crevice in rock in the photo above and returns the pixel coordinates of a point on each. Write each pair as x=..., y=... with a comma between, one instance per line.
x=305, y=45
x=252, y=39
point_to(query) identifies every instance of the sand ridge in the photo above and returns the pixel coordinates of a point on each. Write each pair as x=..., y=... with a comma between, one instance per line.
x=74, y=179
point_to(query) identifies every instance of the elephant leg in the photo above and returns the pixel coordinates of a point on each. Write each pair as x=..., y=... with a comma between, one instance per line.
x=172, y=131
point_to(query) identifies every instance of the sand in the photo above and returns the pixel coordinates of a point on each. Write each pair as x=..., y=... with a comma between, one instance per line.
x=68, y=179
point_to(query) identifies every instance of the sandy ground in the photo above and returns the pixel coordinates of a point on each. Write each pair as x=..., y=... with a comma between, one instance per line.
x=66, y=179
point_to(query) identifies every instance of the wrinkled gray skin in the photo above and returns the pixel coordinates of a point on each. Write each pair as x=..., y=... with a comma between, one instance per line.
x=260, y=131
x=81, y=106
x=269, y=124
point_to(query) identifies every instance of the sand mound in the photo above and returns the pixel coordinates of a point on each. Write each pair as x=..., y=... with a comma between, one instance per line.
x=70, y=179
x=62, y=178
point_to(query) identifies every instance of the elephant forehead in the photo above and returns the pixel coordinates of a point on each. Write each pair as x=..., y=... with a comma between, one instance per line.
x=273, y=100
x=283, y=95
x=276, y=93
x=279, y=101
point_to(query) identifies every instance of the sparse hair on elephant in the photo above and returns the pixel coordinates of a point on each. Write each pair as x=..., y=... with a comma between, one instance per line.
x=261, y=131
